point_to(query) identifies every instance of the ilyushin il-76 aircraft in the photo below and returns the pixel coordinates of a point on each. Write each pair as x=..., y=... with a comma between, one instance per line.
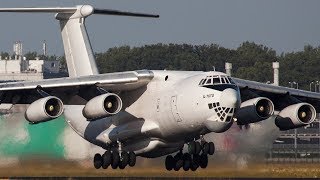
x=148, y=113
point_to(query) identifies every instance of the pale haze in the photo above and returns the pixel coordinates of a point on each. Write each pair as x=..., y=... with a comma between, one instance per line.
x=284, y=25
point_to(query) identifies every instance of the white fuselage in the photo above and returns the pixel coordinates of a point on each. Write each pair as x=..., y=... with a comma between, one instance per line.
x=175, y=107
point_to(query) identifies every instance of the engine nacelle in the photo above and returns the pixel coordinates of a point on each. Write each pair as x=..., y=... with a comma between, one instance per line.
x=102, y=106
x=295, y=116
x=44, y=109
x=254, y=110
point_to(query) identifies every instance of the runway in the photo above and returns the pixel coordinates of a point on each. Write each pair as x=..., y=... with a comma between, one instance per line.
x=54, y=168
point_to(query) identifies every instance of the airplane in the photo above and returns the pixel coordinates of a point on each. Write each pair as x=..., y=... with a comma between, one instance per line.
x=148, y=113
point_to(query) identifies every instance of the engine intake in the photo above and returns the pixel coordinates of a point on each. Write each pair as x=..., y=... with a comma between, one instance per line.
x=295, y=116
x=102, y=106
x=44, y=109
x=254, y=110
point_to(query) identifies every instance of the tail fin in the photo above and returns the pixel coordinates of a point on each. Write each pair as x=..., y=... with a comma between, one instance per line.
x=78, y=51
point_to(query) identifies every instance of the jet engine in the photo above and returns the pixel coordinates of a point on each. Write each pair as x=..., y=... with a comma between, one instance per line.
x=296, y=115
x=102, y=106
x=44, y=109
x=254, y=110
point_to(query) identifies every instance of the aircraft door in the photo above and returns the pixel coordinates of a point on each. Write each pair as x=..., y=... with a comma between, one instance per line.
x=174, y=109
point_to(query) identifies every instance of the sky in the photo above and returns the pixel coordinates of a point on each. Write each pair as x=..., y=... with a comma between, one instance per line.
x=284, y=25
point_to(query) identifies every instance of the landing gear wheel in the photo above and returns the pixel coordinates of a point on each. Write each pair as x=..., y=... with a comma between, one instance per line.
x=132, y=159
x=124, y=160
x=170, y=163
x=106, y=159
x=192, y=147
x=115, y=160
x=194, y=166
x=97, y=161
x=211, y=148
x=203, y=161
x=197, y=148
x=186, y=161
x=205, y=148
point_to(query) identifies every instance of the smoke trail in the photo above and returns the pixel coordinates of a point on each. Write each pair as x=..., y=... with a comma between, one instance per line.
x=13, y=134
x=241, y=147
x=76, y=148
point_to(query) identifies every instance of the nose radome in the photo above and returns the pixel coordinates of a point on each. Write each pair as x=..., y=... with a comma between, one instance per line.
x=230, y=98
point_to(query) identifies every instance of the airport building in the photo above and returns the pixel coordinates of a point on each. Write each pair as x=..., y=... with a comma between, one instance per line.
x=18, y=68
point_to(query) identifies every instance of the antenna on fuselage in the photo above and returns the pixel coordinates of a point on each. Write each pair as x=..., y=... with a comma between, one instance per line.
x=214, y=68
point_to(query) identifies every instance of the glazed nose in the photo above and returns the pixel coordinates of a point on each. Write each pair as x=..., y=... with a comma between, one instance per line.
x=230, y=98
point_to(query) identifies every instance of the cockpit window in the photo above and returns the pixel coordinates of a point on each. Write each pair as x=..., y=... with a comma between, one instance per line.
x=231, y=81
x=216, y=79
x=222, y=80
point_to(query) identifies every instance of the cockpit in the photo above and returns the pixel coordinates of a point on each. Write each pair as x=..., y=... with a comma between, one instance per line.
x=216, y=79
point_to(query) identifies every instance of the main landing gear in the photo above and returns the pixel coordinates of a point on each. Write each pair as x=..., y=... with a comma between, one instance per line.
x=114, y=159
x=197, y=156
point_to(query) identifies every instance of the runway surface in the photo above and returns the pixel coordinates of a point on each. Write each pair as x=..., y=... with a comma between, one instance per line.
x=54, y=168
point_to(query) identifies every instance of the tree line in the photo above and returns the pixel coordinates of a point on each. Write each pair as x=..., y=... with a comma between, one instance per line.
x=250, y=61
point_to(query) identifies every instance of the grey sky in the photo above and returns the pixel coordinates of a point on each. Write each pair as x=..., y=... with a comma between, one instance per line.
x=284, y=25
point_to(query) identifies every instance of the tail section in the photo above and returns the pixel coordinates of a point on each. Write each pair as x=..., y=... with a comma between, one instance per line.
x=78, y=51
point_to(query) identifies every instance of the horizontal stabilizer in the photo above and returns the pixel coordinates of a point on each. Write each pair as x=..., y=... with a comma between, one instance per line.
x=84, y=10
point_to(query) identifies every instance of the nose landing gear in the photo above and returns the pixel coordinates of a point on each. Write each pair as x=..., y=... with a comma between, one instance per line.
x=197, y=156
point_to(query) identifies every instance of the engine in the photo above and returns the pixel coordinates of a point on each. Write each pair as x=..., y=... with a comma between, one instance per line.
x=254, y=110
x=295, y=116
x=44, y=109
x=102, y=106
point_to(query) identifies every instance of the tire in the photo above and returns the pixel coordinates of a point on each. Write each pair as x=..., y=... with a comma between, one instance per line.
x=192, y=147
x=203, y=161
x=186, y=164
x=170, y=162
x=196, y=159
x=115, y=160
x=97, y=161
x=194, y=166
x=132, y=159
x=211, y=148
x=124, y=160
x=178, y=165
x=106, y=159
x=205, y=148
x=197, y=148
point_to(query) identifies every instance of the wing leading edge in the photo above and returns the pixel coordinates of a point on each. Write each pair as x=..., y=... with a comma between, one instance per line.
x=281, y=96
x=65, y=88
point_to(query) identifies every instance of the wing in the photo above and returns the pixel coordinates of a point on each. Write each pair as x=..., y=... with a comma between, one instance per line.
x=73, y=90
x=280, y=96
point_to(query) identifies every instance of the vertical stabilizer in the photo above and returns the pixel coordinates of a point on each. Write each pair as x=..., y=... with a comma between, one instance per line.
x=77, y=47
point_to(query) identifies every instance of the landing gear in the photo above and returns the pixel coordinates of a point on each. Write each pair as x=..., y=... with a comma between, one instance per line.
x=197, y=156
x=114, y=159
x=97, y=161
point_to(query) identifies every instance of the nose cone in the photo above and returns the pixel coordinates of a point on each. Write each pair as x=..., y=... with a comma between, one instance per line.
x=230, y=98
